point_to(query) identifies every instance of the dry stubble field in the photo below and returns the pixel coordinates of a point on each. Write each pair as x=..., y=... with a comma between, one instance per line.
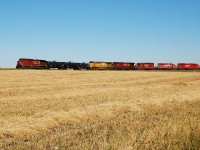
x=55, y=109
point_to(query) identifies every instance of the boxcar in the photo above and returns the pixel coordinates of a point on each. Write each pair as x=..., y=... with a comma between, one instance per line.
x=100, y=65
x=166, y=66
x=123, y=66
x=187, y=66
x=25, y=63
x=144, y=66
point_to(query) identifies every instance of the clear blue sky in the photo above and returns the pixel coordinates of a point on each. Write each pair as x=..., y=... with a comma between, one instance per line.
x=107, y=30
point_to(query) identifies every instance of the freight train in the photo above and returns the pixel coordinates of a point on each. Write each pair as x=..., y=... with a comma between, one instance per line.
x=24, y=63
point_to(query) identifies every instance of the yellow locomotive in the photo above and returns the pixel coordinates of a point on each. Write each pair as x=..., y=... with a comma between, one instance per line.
x=97, y=65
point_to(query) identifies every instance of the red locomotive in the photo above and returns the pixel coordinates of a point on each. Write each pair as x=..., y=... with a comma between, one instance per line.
x=187, y=66
x=145, y=66
x=123, y=66
x=166, y=66
x=25, y=63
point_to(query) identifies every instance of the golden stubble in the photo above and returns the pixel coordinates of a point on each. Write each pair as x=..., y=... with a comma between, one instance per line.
x=33, y=102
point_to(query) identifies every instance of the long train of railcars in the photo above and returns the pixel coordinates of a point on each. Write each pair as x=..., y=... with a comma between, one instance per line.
x=24, y=63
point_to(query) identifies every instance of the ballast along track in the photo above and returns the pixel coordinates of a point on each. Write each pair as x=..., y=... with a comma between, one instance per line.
x=24, y=63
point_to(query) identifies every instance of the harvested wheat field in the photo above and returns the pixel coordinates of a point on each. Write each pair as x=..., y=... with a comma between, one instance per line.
x=58, y=109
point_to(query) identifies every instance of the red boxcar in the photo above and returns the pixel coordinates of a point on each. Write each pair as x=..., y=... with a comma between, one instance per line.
x=145, y=66
x=123, y=66
x=166, y=66
x=187, y=66
x=25, y=63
